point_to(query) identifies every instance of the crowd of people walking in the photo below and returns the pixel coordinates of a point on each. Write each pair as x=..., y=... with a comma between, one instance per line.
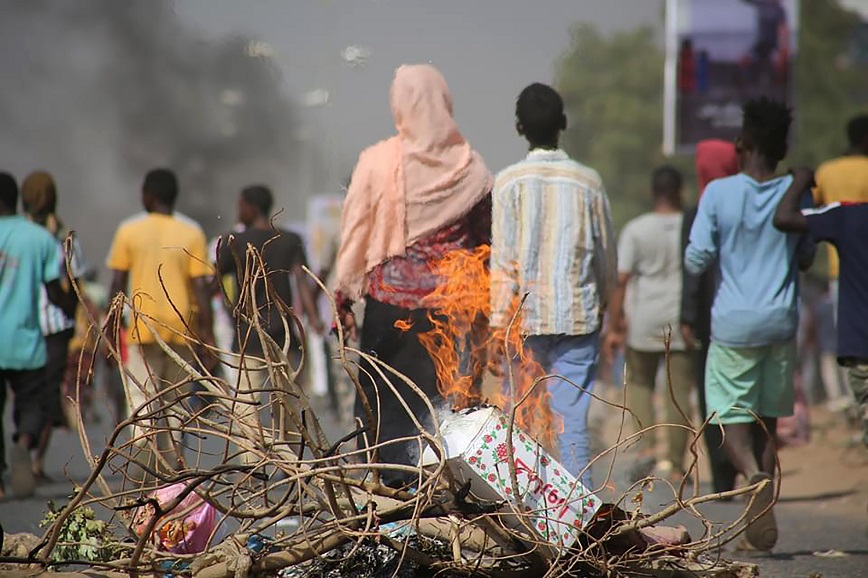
x=711, y=293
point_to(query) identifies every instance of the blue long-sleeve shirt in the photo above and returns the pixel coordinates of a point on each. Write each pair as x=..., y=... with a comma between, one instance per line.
x=756, y=298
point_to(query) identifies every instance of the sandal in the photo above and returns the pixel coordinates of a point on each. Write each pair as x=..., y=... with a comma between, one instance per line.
x=762, y=529
x=22, y=471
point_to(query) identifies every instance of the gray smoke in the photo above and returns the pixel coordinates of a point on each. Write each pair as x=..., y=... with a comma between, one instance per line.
x=99, y=91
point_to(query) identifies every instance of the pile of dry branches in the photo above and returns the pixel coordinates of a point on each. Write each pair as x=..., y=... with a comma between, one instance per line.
x=276, y=463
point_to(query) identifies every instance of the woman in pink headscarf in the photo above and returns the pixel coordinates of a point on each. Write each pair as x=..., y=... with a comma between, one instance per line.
x=413, y=198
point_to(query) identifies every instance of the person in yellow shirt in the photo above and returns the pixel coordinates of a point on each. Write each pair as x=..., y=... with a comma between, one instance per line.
x=844, y=180
x=159, y=260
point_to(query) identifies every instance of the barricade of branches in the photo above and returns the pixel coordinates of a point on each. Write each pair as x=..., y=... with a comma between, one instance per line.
x=215, y=476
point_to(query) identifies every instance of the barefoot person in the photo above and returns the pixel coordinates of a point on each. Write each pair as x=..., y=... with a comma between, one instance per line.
x=844, y=226
x=29, y=260
x=749, y=373
x=413, y=199
x=552, y=238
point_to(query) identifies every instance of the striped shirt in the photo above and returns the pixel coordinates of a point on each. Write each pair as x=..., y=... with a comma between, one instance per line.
x=552, y=238
x=52, y=319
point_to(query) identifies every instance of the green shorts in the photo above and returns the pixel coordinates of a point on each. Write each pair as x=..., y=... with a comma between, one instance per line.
x=742, y=381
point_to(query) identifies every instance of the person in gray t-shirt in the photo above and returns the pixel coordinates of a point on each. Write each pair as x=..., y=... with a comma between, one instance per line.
x=644, y=314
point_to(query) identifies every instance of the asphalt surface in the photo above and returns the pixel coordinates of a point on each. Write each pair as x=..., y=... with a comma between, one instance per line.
x=812, y=544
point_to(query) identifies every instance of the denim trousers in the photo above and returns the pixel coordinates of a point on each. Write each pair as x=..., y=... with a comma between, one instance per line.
x=575, y=357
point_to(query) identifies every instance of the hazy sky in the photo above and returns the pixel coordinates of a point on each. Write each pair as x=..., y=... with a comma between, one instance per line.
x=487, y=49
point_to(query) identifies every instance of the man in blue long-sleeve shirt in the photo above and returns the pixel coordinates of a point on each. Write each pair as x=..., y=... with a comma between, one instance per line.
x=755, y=313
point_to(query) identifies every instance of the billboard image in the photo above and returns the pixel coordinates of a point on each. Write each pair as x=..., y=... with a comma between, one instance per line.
x=721, y=53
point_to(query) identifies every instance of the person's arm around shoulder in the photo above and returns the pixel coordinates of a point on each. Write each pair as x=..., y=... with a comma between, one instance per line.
x=788, y=216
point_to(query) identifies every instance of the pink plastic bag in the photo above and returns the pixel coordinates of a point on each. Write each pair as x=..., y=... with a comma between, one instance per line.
x=189, y=534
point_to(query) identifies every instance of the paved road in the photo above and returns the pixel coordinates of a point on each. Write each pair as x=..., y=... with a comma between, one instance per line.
x=804, y=527
x=805, y=531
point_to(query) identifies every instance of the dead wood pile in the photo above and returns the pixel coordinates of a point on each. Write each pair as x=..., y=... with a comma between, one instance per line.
x=277, y=464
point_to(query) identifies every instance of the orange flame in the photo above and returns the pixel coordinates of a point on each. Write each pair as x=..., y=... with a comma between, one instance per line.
x=460, y=340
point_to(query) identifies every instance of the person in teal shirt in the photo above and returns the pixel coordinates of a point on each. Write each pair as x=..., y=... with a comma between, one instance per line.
x=29, y=258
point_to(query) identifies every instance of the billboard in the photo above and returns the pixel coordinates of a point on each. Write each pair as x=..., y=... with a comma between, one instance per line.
x=719, y=54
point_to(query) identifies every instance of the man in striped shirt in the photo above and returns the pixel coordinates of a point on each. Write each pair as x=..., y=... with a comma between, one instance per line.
x=552, y=239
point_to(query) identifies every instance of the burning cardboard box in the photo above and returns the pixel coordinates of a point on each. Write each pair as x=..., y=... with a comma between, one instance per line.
x=555, y=503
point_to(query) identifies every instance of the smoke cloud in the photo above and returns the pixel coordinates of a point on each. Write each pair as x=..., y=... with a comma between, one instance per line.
x=98, y=92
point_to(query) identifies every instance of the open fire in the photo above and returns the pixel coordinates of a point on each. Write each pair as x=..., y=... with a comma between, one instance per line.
x=460, y=343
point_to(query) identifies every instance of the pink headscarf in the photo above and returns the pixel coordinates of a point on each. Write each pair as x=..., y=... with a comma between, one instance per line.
x=715, y=159
x=411, y=185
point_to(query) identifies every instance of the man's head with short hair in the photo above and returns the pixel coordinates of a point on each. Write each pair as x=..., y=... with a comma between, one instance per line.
x=159, y=190
x=539, y=115
x=255, y=203
x=765, y=129
x=8, y=194
x=667, y=184
x=857, y=134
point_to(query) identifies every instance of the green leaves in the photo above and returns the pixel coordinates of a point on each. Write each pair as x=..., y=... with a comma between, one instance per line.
x=83, y=537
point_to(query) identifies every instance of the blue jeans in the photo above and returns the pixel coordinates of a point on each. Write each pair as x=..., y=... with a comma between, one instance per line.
x=574, y=357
